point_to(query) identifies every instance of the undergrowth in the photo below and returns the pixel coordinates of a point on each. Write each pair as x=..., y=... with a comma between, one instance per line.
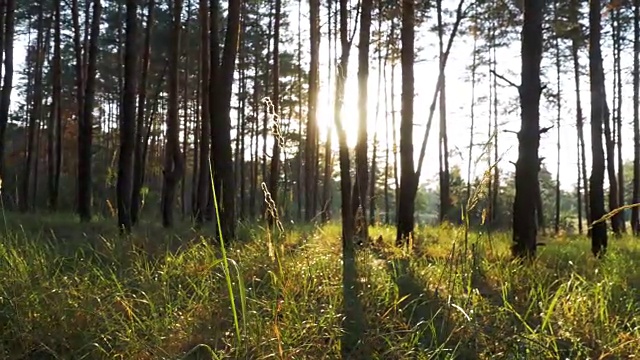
x=71, y=291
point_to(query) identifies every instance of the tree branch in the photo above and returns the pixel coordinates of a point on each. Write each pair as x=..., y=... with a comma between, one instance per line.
x=545, y=129
x=505, y=80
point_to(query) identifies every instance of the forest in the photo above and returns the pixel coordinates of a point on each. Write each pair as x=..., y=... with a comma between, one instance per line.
x=319, y=179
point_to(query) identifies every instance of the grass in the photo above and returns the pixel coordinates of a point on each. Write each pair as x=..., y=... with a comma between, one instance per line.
x=71, y=291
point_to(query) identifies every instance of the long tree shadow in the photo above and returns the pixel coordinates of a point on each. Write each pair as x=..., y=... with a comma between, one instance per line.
x=353, y=322
x=426, y=314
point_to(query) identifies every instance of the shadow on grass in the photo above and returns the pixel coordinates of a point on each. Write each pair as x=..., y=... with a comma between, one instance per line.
x=426, y=314
x=353, y=323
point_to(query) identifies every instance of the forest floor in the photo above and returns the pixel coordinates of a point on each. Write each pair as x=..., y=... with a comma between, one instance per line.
x=71, y=291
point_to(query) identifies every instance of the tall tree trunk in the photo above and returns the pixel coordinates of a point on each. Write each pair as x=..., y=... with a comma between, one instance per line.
x=408, y=178
x=618, y=115
x=301, y=144
x=221, y=125
x=611, y=163
x=360, y=193
x=443, y=146
x=311, y=162
x=327, y=184
x=527, y=166
x=54, y=159
x=598, y=113
x=85, y=125
x=204, y=175
x=345, y=176
x=7, y=84
x=575, y=46
x=635, y=211
x=173, y=160
x=138, y=164
x=278, y=141
x=37, y=55
x=128, y=119
x=556, y=224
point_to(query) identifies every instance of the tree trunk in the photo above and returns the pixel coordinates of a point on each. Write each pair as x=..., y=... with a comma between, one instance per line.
x=527, y=166
x=408, y=178
x=274, y=169
x=138, y=164
x=173, y=160
x=598, y=112
x=345, y=176
x=204, y=175
x=360, y=193
x=221, y=125
x=635, y=211
x=37, y=56
x=618, y=116
x=55, y=120
x=85, y=125
x=128, y=119
x=7, y=84
x=575, y=47
x=311, y=162
x=443, y=146
x=556, y=224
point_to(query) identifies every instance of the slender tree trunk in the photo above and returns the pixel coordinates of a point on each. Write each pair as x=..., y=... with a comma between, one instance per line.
x=635, y=211
x=556, y=225
x=173, y=160
x=221, y=125
x=345, y=176
x=575, y=46
x=443, y=147
x=274, y=170
x=128, y=119
x=7, y=84
x=312, y=122
x=85, y=131
x=53, y=127
x=359, y=201
x=37, y=55
x=618, y=116
x=138, y=168
x=408, y=177
x=527, y=166
x=204, y=175
x=598, y=113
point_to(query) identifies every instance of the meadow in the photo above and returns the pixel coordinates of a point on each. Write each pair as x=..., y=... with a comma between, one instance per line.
x=82, y=291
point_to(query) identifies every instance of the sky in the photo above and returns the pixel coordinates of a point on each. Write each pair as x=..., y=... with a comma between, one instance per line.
x=458, y=102
x=459, y=95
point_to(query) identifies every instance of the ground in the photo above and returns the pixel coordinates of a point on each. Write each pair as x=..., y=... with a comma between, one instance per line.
x=82, y=291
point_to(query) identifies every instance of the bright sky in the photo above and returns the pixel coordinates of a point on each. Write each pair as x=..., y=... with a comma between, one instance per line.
x=459, y=104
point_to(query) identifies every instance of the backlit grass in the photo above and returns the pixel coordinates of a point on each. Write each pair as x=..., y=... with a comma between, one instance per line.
x=81, y=291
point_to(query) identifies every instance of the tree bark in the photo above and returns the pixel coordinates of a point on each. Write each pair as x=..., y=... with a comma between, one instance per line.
x=527, y=165
x=360, y=189
x=635, y=211
x=311, y=162
x=7, y=84
x=85, y=123
x=173, y=160
x=598, y=113
x=138, y=168
x=128, y=119
x=224, y=186
x=204, y=175
x=274, y=169
x=408, y=177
